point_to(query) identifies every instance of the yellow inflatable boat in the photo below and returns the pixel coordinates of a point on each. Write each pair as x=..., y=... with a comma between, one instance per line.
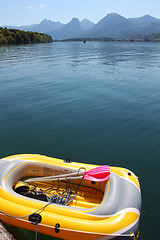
x=69, y=200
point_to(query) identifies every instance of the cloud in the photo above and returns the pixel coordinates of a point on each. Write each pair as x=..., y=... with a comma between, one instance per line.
x=36, y=8
x=42, y=5
x=30, y=7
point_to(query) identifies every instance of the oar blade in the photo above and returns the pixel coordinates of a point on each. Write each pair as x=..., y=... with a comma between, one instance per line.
x=98, y=174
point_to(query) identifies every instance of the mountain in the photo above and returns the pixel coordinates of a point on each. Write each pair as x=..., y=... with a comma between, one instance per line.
x=112, y=25
x=86, y=24
x=116, y=26
x=147, y=19
x=150, y=28
x=44, y=26
x=23, y=28
x=146, y=24
x=72, y=29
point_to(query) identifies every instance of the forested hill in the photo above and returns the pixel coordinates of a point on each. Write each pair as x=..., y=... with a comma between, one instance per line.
x=14, y=36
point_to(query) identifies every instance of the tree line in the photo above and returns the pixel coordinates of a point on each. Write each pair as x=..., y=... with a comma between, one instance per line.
x=15, y=36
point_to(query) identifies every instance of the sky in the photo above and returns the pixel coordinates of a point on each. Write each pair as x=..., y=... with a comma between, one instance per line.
x=27, y=12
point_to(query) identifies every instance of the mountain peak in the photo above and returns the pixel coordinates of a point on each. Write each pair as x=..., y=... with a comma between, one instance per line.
x=114, y=15
x=113, y=19
x=45, y=21
x=149, y=18
x=75, y=20
x=86, y=24
x=73, y=24
x=144, y=20
x=85, y=20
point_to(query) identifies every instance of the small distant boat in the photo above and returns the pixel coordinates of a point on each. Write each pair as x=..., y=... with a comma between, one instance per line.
x=69, y=200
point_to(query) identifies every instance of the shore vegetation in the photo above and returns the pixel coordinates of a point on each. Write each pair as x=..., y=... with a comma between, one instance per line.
x=15, y=36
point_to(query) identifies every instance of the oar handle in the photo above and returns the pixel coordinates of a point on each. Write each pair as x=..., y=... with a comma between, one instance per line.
x=49, y=178
x=52, y=179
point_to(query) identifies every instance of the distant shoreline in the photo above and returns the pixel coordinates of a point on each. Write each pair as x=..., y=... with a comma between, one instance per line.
x=84, y=40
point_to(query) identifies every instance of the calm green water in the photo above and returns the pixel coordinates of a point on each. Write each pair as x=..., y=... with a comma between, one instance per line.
x=95, y=102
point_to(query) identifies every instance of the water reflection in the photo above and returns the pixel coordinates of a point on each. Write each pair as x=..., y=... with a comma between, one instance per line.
x=95, y=102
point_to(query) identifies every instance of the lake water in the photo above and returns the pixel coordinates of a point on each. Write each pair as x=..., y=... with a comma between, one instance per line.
x=95, y=102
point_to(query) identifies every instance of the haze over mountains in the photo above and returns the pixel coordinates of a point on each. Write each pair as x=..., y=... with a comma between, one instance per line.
x=111, y=26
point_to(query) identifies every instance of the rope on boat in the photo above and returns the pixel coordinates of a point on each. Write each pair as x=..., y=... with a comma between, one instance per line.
x=55, y=194
x=36, y=232
x=130, y=235
x=26, y=216
x=52, y=198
